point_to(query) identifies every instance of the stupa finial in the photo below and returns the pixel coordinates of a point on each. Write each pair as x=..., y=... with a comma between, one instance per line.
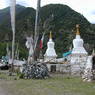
x=50, y=35
x=77, y=29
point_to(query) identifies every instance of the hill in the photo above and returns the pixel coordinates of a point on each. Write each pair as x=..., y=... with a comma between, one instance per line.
x=60, y=19
x=5, y=13
x=63, y=25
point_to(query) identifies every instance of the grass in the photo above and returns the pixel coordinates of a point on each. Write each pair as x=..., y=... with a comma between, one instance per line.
x=56, y=85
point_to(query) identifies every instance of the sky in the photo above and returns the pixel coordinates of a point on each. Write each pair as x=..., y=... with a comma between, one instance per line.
x=85, y=7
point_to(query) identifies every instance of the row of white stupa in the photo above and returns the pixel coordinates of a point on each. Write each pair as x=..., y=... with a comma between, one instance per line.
x=78, y=52
x=78, y=57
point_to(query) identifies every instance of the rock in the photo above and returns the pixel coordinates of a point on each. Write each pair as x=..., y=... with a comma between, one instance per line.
x=35, y=70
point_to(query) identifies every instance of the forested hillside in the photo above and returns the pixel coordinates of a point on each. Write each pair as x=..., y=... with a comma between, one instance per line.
x=60, y=19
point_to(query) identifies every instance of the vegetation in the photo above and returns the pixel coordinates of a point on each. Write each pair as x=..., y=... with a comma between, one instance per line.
x=60, y=19
x=56, y=85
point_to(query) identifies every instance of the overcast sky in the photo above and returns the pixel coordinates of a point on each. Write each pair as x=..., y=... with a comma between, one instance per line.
x=85, y=7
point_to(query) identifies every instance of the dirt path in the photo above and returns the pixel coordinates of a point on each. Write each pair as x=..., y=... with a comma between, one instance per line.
x=2, y=92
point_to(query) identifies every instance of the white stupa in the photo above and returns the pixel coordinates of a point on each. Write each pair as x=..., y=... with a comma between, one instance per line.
x=50, y=55
x=79, y=54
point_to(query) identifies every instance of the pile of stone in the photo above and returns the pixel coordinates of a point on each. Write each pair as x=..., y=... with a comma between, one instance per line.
x=35, y=71
x=87, y=76
x=89, y=71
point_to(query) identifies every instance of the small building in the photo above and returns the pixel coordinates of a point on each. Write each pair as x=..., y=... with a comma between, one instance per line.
x=18, y=64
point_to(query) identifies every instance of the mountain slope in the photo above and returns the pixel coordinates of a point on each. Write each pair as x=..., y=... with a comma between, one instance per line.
x=60, y=19
x=64, y=22
x=5, y=13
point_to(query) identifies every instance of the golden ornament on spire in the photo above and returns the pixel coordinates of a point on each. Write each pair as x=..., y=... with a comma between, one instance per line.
x=77, y=29
x=50, y=35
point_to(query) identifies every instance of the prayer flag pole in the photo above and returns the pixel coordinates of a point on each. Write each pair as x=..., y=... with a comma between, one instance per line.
x=12, y=12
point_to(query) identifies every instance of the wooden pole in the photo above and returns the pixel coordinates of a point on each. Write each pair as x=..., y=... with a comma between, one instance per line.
x=36, y=35
x=12, y=10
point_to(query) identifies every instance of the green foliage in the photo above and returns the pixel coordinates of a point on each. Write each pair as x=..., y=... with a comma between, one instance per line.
x=62, y=23
x=2, y=49
x=58, y=84
x=23, y=53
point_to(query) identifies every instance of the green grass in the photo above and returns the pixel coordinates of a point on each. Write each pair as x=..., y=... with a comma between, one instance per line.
x=56, y=85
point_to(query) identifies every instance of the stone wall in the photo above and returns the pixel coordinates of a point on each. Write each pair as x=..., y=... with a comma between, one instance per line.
x=72, y=69
x=78, y=64
x=62, y=68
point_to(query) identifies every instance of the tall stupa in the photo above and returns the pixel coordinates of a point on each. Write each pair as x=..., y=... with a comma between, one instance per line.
x=79, y=54
x=50, y=54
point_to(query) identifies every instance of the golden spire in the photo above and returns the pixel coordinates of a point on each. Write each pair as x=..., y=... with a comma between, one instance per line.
x=77, y=29
x=50, y=35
